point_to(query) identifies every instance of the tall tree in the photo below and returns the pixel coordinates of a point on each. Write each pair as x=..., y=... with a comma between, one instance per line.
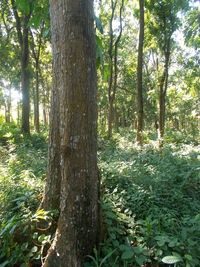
x=113, y=64
x=163, y=22
x=73, y=130
x=139, y=76
x=22, y=28
x=36, y=52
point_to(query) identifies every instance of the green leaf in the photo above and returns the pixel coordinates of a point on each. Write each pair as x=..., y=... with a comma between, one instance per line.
x=34, y=249
x=128, y=254
x=106, y=257
x=24, y=6
x=12, y=229
x=124, y=247
x=25, y=228
x=171, y=259
x=4, y=263
x=113, y=236
x=24, y=246
x=41, y=237
x=35, y=235
x=98, y=24
x=140, y=260
x=188, y=257
x=137, y=250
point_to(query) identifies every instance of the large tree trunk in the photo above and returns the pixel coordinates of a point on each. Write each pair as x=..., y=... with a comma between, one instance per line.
x=74, y=97
x=51, y=198
x=139, y=77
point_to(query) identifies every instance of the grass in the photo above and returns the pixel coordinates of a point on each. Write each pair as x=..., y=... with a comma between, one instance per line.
x=150, y=199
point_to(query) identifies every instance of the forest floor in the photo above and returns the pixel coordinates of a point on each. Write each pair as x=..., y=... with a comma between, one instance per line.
x=150, y=199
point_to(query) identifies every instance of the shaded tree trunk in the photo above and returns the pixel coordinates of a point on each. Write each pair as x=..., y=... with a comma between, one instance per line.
x=23, y=38
x=163, y=85
x=110, y=118
x=36, y=106
x=25, y=85
x=45, y=102
x=44, y=114
x=113, y=57
x=73, y=135
x=139, y=77
x=162, y=99
x=36, y=56
x=8, y=107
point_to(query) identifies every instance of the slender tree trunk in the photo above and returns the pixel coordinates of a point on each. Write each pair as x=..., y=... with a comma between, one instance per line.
x=110, y=94
x=110, y=119
x=8, y=107
x=116, y=119
x=113, y=67
x=74, y=84
x=163, y=85
x=25, y=84
x=45, y=102
x=139, y=77
x=36, y=56
x=161, y=118
x=36, y=110
x=162, y=96
x=23, y=38
x=44, y=114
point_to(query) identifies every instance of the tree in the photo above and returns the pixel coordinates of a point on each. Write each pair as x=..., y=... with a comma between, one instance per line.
x=9, y=54
x=192, y=28
x=139, y=76
x=73, y=140
x=22, y=28
x=113, y=58
x=36, y=50
x=163, y=23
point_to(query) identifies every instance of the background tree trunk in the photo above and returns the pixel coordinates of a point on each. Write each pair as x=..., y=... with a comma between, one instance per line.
x=162, y=96
x=74, y=78
x=25, y=82
x=36, y=110
x=112, y=88
x=23, y=39
x=139, y=76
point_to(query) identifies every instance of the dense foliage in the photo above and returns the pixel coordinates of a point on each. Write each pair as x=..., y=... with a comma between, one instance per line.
x=150, y=200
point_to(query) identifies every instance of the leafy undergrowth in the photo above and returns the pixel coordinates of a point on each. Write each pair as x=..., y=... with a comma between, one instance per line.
x=151, y=204
x=150, y=201
x=22, y=173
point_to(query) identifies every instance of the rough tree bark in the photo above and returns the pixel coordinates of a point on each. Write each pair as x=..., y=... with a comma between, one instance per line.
x=139, y=77
x=73, y=134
